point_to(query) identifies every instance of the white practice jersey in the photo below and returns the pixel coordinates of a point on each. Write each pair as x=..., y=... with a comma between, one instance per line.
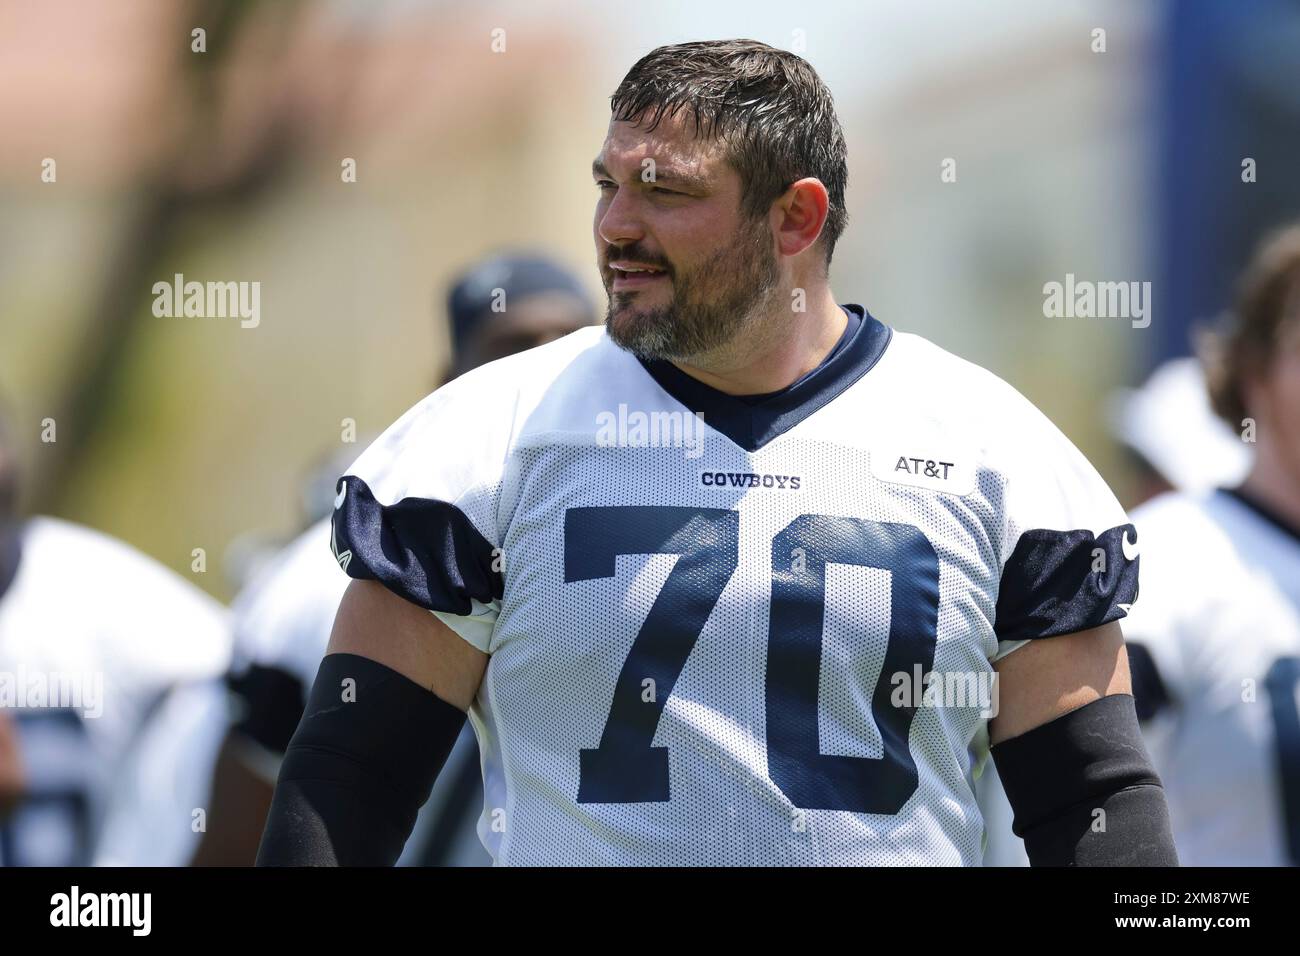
x=709, y=617
x=281, y=624
x=1219, y=616
x=282, y=628
x=1001, y=845
x=158, y=810
x=284, y=616
x=93, y=635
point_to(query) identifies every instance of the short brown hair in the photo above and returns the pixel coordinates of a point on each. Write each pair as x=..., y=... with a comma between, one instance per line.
x=1266, y=311
x=769, y=106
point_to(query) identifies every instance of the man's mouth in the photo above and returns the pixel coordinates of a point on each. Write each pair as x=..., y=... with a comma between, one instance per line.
x=633, y=276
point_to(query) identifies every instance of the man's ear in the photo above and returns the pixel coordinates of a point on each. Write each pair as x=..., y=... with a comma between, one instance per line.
x=799, y=215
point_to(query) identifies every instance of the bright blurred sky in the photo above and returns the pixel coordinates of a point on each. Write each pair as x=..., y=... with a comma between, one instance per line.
x=870, y=47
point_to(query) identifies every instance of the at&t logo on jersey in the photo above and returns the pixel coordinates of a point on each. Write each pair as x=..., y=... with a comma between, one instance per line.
x=924, y=467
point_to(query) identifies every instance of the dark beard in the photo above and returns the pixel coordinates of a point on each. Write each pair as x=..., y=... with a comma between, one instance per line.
x=711, y=305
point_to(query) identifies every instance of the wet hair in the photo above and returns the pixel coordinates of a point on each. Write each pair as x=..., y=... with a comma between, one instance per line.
x=768, y=107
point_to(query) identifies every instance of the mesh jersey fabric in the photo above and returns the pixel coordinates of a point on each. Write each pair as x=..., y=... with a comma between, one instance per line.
x=702, y=639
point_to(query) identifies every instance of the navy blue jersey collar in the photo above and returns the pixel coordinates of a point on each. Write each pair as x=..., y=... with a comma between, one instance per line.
x=751, y=426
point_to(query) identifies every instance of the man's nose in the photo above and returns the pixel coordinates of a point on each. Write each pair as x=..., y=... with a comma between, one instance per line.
x=620, y=223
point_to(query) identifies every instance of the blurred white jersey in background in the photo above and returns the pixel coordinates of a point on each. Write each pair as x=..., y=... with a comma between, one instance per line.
x=282, y=628
x=93, y=635
x=1219, y=617
x=281, y=622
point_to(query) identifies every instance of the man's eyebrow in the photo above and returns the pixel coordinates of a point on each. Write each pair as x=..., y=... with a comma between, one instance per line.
x=676, y=177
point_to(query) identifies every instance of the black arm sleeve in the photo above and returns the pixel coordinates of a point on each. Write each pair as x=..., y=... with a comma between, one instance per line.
x=358, y=769
x=1084, y=791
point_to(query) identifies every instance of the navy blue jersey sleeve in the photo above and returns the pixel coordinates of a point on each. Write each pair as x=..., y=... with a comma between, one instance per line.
x=1070, y=553
x=417, y=511
x=424, y=549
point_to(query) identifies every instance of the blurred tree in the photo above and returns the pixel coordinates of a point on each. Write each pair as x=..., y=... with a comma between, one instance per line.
x=202, y=168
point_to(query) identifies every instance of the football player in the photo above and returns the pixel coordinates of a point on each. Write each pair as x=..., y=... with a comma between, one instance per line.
x=701, y=578
x=500, y=305
x=1173, y=440
x=1171, y=436
x=93, y=636
x=1215, y=638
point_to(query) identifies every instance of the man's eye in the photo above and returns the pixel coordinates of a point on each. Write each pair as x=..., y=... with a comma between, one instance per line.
x=604, y=184
x=666, y=192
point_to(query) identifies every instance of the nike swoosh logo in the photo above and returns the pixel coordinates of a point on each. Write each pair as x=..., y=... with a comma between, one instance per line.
x=1131, y=550
x=338, y=501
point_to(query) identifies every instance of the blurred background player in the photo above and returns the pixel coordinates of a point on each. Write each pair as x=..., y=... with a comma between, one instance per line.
x=1172, y=437
x=1215, y=635
x=1173, y=441
x=502, y=305
x=93, y=635
x=1214, y=638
